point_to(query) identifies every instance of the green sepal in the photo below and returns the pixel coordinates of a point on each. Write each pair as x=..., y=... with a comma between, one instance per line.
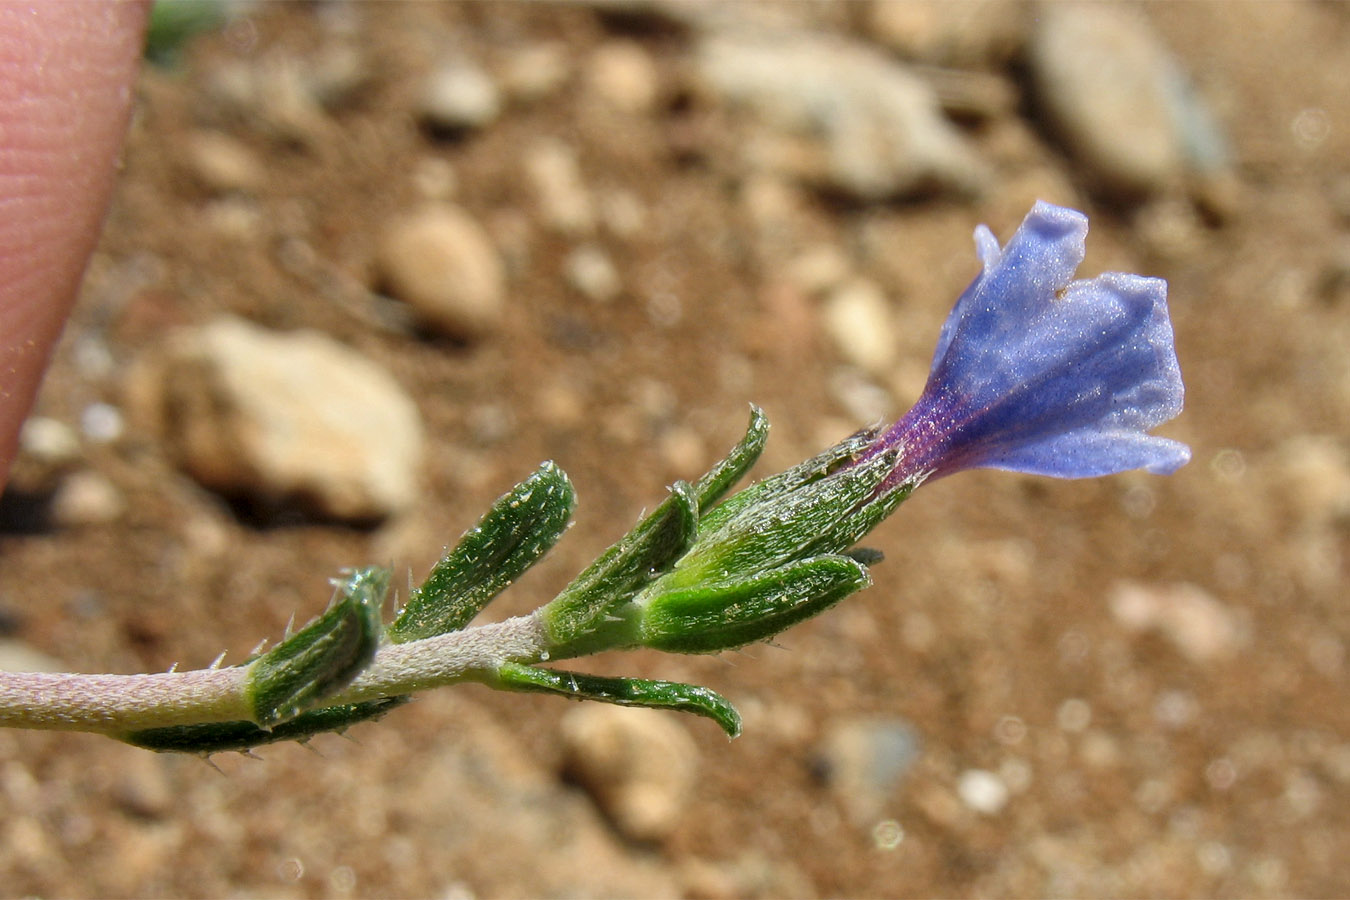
x=859, y=523
x=813, y=519
x=722, y=616
x=732, y=468
x=641, y=555
x=219, y=737
x=521, y=527
x=814, y=469
x=688, y=698
x=324, y=656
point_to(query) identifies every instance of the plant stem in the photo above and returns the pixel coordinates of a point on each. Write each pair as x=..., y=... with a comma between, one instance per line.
x=467, y=655
x=116, y=704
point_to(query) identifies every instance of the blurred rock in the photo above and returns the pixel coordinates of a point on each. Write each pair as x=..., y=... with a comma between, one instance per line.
x=590, y=271
x=535, y=72
x=276, y=93
x=969, y=34
x=862, y=398
x=752, y=874
x=86, y=498
x=623, y=213
x=223, y=164
x=622, y=74
x=1196, y=623
x=1119, y=99
x=862, y=125
x=818, y=269
x=639, y=764
x=279, y=417
x=49, y=441
x=442, y=263
x=564, y=202
x=458, y=96
x=862, y=760
x=858, y=319
x=142, y=787
x=336, y=73
x=48, y=450
x=1312, y=475
x=101, y=423
x=982, y=791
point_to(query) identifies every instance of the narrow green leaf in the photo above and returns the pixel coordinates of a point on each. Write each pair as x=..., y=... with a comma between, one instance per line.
x=721, y=616
x=218, y=737
x=720, y=478
x=644, y=553
x=689, y=698
x=324, y=656
x=521, y=527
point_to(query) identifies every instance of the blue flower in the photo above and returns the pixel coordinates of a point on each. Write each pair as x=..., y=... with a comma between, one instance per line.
x=1037, y=373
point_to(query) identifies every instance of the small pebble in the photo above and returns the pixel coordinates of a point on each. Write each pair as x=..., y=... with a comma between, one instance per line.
x=858, y=319
x=49, y=441
x=864, y=759
x=223, y=164
x=982, y=791
x=964, y=35
x=458, y=96
x=142, y=787
x=588, y=270
x=818, y=269
x=533, y=73
x=442, y=263
x=622, y=74
x=102, y=423
x=86, y=498
x=564, y=202
x=1196, y=623
x=639, y=765
x=1311, y=475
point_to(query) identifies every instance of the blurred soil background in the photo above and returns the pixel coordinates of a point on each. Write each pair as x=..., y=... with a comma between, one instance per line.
x=370, y=264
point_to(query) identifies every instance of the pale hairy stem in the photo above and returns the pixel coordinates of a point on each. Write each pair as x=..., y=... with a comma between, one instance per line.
x=116, y=704
x=113, y=703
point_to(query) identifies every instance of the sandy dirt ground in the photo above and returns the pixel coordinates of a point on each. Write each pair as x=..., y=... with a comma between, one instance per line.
x=1131, y=686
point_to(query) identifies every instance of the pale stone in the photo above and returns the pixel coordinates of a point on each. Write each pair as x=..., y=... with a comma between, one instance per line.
x=1112, y=92
x=224, y=164
x=86, y=498
x=841, y=116
x=442, y=263
x=859, y=321
x=622, y=74
x=863, y=760
x=458, y=96
x=49, y=441
x=590, y=271
x=982, y=791
x=640, y=765
x=565, y=203
x=1196, y=623
x=281, y=417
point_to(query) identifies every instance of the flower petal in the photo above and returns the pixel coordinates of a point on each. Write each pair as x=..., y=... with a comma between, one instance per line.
x=1037, y=373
